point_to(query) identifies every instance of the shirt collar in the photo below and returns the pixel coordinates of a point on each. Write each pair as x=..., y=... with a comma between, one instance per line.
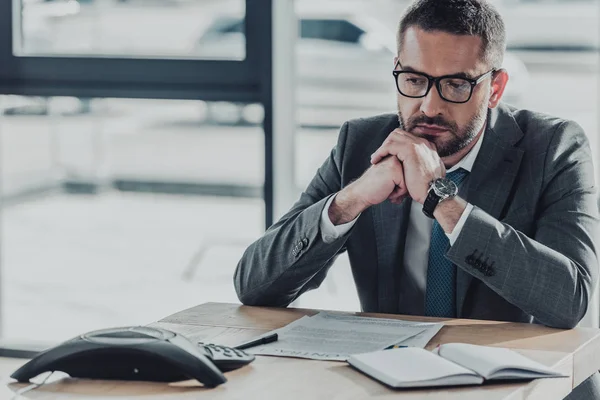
x=467, y=161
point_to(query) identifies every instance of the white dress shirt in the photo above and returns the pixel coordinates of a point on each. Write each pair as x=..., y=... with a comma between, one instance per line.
x=418, y=235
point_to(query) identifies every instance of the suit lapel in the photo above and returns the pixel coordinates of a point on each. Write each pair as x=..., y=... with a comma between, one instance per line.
x=391, y=222
x=491, y=180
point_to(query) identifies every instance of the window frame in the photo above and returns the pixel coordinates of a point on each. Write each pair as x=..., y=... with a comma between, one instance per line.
x=241, y=81
x=222, y=80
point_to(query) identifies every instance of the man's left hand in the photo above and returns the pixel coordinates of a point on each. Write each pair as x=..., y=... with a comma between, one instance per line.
x=419, y=159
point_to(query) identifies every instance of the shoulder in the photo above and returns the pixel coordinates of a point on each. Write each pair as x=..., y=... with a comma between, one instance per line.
x=361, y=131
x=376, y=121
x=558, y=143
x=540, y=128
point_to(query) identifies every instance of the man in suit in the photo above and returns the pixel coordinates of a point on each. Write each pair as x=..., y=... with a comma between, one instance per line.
x=458, y=206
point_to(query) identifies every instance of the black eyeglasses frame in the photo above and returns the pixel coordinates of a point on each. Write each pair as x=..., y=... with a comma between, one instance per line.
x=436, y=80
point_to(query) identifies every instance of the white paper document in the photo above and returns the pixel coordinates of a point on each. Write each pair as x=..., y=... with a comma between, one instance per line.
x=419, y=340
x=328, y=336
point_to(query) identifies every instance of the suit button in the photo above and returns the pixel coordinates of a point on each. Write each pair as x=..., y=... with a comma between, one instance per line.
x=305, y=242
x=300, y=245
x=471, y=259
x=490, y=271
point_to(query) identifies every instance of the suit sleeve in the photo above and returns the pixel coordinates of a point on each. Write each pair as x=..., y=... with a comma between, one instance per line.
x=552, y=274
x=292, y=257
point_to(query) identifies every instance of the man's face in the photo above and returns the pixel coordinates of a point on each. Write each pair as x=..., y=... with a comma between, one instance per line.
x=451, y=127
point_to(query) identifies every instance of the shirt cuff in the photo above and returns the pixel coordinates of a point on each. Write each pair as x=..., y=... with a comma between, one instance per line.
x=452, y=236
x=329, y=231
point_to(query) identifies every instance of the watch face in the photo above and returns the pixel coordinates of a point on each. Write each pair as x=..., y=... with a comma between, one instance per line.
x=444, y=187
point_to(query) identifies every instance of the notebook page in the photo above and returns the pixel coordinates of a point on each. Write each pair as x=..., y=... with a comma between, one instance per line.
x=412, y=367
x=491, y=361
x=511, y=373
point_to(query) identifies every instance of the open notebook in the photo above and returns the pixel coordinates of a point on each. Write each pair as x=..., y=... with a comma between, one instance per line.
x=449, y=365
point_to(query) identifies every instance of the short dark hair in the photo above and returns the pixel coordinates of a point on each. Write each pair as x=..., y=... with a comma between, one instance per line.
x=459, y=17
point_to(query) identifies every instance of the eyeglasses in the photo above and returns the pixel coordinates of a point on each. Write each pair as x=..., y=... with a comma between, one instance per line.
x=452, y=88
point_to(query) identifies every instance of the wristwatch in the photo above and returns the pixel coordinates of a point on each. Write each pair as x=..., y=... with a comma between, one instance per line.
x=439, y=190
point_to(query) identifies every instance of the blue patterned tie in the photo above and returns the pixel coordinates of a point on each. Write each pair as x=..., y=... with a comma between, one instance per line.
x=440, y=299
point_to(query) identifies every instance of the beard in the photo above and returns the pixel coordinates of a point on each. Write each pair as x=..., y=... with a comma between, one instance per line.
x=459, y=137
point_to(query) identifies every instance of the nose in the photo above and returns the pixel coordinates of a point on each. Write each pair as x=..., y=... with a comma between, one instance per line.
x=432, y=104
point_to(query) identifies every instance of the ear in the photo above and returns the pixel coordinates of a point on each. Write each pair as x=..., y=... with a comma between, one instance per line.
x=499, y=81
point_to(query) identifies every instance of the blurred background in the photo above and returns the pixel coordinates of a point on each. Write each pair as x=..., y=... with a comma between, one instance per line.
x=120, y=211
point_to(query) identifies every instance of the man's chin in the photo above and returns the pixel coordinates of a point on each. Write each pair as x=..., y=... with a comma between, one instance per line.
x=449, y=149
x=444, y=148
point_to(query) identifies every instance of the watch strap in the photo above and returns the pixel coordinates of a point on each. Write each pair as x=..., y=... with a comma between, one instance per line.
x=430, y=203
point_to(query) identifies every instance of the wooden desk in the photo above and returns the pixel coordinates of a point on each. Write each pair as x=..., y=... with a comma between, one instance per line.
x=575, y=353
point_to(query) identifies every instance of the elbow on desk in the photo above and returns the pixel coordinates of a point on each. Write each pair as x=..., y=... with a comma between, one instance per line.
x=254, y=297
x=259, y=296
x=250, y=289
x=582, y=296
x=241, y=283
x=579, y=309
x=566, y=322
x=258, y=277
x=571, y=315
x=247, y=299
x=246, y=296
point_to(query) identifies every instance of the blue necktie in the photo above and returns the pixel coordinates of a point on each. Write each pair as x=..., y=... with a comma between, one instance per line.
x=440, y=299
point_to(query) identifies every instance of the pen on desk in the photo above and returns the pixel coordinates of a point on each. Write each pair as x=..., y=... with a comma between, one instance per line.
x=257, y=342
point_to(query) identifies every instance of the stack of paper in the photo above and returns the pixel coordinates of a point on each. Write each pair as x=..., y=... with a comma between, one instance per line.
x=329, y=336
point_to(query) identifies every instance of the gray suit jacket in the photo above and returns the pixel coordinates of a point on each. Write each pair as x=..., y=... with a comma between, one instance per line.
x=526, y=253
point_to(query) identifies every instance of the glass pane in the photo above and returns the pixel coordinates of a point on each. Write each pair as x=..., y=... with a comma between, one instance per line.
x=551, y=70
x=531, y=24
x=120, y=211
x=198, y=29
x=334, y=30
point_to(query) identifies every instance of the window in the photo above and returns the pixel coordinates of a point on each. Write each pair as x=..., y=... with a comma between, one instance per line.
x=118, y=211
x=109, y=141
x=125, y=28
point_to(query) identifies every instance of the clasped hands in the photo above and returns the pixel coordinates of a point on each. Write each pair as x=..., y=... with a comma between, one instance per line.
x=404, y=165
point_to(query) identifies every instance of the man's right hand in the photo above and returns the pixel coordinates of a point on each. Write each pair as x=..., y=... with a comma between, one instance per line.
x=384, y=180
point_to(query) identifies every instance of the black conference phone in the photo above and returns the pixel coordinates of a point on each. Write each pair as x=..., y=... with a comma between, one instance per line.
x=136, y=354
